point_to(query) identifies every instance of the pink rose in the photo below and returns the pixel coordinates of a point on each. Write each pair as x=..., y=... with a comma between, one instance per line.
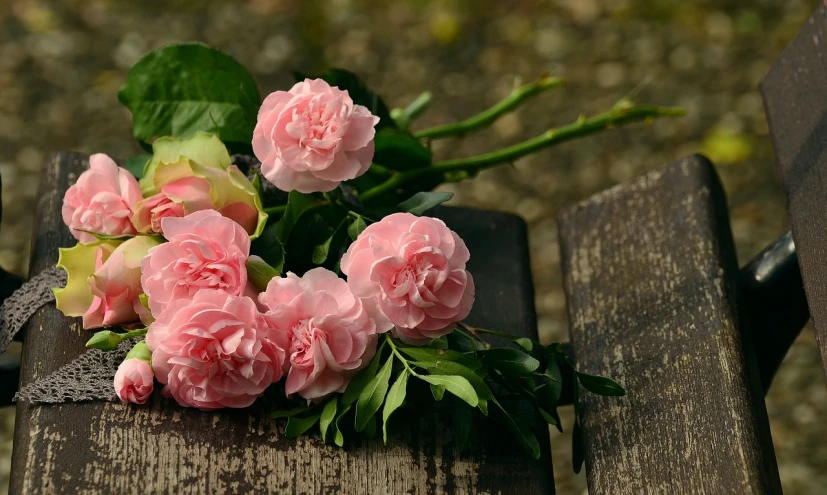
x=410, y=273
x=205, y=251
x=313, y=137
x=101, y=201
x=215, y=350
x=331, y=335
x=116, y=284
x=134, y=381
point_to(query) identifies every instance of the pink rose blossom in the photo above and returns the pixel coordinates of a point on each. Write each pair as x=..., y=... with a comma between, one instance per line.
x=134, y=381
x=101, y=201
x=331, y=335
x=116, y=284
x=410, y=273
x=215, y=350
x=313, y=137
x=205, y=251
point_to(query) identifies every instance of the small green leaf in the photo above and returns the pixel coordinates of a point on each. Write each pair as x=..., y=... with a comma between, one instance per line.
x=356, y=227
x=398, y=150
x=370, y=428
x=438, y=391
x=600, y=385
x=181, y=89
x=338, y=438
x=296, y=426
x=136, y=164
x=524, y=343
x=358, y=383
x=577, y=452
x=463, y=421
x=522, y=432
x=430, y=355
x=483, y=406
x=421, y=202
x=286, y=413
x=373, y=395
x=328, y=414
x=510, y=361
x=395, y=399
x=260, y=273
x=457, y=385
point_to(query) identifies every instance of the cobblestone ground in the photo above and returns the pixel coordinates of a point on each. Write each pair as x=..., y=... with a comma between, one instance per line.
x=61, y=64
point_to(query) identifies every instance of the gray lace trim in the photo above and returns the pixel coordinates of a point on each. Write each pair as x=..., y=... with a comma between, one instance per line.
x=22, y=304
x=89, y=377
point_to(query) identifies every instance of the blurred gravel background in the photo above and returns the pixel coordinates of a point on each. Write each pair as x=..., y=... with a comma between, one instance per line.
x=62, y=62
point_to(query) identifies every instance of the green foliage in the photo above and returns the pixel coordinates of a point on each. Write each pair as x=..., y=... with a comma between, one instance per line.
x=181, y=89
x=136, y=164
x=421, y=202
x=399, y=150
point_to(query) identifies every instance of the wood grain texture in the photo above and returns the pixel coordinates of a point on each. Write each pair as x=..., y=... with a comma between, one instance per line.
x=649, y=272
x=162, y=448
x=795, y=100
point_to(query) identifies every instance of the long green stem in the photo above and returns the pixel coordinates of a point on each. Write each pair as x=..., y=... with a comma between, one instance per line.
x=396, y=353
x=134, y=333
x=512, y=101
x=622, y=113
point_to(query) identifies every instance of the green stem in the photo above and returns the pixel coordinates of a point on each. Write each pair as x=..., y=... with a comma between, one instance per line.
x=512, y=101
x=404, y=116
x=275, y=210
x=396, y=353
x=134, y=333
x=622, y=113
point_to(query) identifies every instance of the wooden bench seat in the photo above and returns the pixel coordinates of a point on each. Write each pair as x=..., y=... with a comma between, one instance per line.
x=162, y=448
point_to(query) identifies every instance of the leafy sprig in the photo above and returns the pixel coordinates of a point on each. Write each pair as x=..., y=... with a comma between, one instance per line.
x=463, y=369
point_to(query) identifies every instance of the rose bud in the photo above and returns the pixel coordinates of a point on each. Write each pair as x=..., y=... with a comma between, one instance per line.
x=191, y=174
x=104, y=282
x=410, y=273
x=101, y=201
x=313, y=137
x=134, y=379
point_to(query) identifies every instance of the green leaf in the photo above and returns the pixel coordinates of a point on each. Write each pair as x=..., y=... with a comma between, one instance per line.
x=548, y=418
x=399, y=150
x=296, y=426
x=421, y=202
x=600, y=385
x=270, y=245
x=525, y=343
x=322, y=251
x=182, y=89
x=395, y=399
x=356, y=227
x=357, y=90
x=286, y=413
x=463, y=421
x=106, y=237
x=438, y=391
x=440, y=343
x=136, y=165
x=577, y=452
x=522, y=432
x=358, y=383
x=510, y=361
x=338, y=438
x=371, y=398
x=454, y=368
x=483, y=406
x=328, y=414
x=457, y=385
x=259, y=274
x=370, y=428
x=430, y=355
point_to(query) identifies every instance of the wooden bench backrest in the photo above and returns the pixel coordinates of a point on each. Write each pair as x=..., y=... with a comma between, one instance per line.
x=795, y=99
x=649, y=272
x=163, y=448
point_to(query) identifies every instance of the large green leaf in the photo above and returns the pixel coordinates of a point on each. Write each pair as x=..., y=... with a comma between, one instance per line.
x=357, y=90
x=452, y=368
x=327, y=417
x=182, y=89
x=372, y=397
x=430, y=355
x=395, y=399
x=510, y=361
x=136, y=165
x=358, y=383
x=521, y=431
x=423, y=201
x=296, y=426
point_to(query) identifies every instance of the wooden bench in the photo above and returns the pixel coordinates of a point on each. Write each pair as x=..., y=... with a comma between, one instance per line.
x=163, y=448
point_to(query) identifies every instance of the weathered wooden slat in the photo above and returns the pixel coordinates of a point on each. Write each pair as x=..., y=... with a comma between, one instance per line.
x=795, y=99
x=162, y=448
x=649, y=272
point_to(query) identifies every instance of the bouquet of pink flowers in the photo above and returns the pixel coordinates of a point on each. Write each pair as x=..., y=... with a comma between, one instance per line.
x=311, y=268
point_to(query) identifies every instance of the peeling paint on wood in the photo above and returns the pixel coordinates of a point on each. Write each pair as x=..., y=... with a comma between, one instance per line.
x=161, y=448
x=649, y=272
